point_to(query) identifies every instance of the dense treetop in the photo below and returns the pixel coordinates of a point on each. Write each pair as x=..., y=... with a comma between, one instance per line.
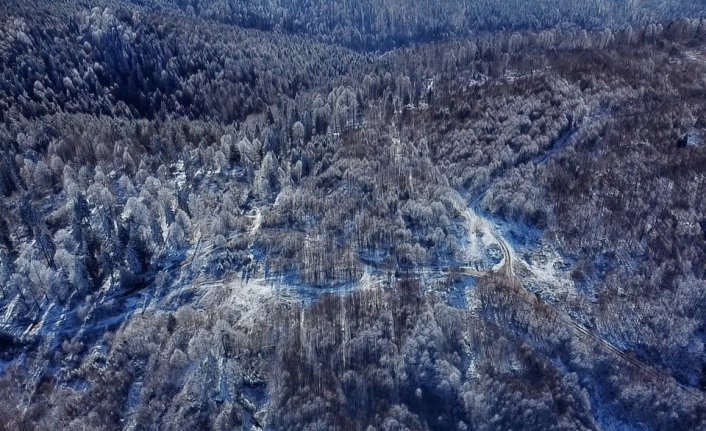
x=182, y=183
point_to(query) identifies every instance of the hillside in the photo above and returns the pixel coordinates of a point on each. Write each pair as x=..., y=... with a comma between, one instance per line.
x=352, y=216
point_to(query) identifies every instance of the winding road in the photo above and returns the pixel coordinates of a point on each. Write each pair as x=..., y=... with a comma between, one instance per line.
x=506, y=270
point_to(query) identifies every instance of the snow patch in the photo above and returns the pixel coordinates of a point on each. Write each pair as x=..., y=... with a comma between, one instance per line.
x=257, y=222
x=250, y=298
x=369, y=281
x=180, y=175
x=540, y=266
x=548, y=275
x=484, y=251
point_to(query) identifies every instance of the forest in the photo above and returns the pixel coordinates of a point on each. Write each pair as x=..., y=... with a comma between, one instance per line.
x=299, y=215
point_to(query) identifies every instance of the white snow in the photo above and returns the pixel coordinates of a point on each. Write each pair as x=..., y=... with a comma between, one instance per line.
x=10, y=311
x=36, y=327
x=482, y=237
x=257, y=222
x=369, y=280
x=547, y=275
x=543, y=272
x=180, y=174
x=249, y=299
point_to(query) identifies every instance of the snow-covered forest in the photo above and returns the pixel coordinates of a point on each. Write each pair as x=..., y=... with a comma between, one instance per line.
x=298, y=215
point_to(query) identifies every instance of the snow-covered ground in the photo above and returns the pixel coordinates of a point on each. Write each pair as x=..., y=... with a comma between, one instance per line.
x=492, y=247
x=547, y=275
x=249, y=298
x=484, y=252
x=257, y=222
